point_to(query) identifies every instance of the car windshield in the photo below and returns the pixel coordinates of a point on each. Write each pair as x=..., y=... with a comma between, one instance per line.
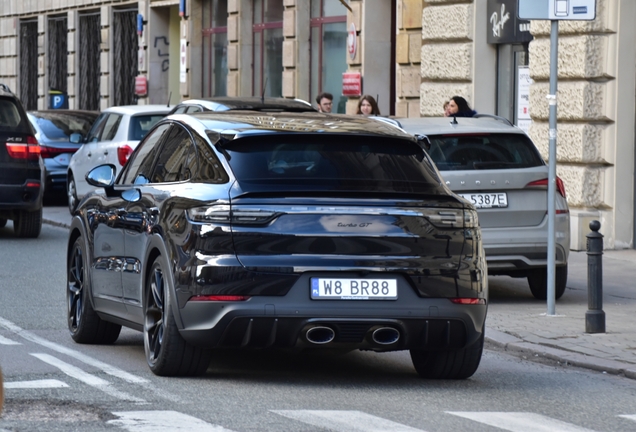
x=57, y=126
x=483, y=151
x=330, y=162
x=140, y=125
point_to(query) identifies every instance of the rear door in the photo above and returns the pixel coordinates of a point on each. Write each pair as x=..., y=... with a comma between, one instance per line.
x=17, y=164
x=500, y=174
x=338, y=203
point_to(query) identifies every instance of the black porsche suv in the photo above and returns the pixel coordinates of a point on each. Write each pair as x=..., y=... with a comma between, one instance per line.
x=21, y=168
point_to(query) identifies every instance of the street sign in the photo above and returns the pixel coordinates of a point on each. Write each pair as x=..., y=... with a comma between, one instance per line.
x=351, y=84
x=559, y=10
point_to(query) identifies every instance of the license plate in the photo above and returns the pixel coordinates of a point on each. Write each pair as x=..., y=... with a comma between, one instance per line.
x=487, y=200
x=353, y=289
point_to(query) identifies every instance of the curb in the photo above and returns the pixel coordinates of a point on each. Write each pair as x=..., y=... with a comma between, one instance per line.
x=512, y=344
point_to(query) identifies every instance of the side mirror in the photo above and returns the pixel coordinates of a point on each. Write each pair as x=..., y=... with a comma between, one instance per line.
x=423, y=141
x=76, y=138
x=102, y=176
x=131, y=195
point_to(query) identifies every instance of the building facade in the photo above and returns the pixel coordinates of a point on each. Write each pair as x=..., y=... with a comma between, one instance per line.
x=411, y=55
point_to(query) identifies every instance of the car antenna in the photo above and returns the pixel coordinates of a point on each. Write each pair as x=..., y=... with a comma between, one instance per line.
x=454, y=122
x=169, y=97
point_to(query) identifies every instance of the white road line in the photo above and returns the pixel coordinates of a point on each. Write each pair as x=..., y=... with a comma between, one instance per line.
x=110, y=370
x=86, y=378
x=162, y=421
x=5, y=341
x=521, y=421
x=345, y=421
x=629, y=416
x=37, y=384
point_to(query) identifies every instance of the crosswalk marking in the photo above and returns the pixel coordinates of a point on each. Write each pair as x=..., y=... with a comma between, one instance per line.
x=47, y=383
x=110, y=370
x=162, y=421
x=7, y=341
x=521, y=421
x=86, y=378
x=346, y=421
x=629, y=416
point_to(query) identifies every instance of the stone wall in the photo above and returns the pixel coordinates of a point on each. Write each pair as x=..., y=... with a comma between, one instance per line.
x=446, y=54
x=408, y=53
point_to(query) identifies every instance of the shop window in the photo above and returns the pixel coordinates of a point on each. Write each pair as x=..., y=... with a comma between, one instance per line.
x=268, y=48
x=328, y=50
x=215, y=48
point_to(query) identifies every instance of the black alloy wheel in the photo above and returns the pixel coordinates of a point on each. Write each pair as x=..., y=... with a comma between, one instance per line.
x=167, y=353
x=83, y=323
x=71, y=193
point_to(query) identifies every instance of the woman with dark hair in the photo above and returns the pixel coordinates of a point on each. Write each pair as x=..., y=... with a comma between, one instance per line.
x=458, y=107
x=368, y=106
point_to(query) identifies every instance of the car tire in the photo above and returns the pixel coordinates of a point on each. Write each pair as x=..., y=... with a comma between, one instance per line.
x=456, y=364
x=3, y=222
x=71, y=194
x=85, y=326
x=167, y=353
x=28, y=224
x=538, y=281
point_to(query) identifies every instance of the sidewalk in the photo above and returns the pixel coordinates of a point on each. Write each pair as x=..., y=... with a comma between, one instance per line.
x=518, y=323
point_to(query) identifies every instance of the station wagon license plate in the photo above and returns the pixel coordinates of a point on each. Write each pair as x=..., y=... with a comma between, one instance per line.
x=353, y=289
x=487, y=200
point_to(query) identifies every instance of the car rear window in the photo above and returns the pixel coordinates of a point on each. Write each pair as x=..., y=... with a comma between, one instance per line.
x=140, y=125
x=330, y=162
x=10, y=119
x=60, y=126
x=483, y=151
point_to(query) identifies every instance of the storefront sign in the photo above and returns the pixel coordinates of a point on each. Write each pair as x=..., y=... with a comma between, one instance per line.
x=351, y=84
x=352, y=41
x=503, y=25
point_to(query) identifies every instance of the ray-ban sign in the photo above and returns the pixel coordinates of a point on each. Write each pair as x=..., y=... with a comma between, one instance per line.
x=572, y=10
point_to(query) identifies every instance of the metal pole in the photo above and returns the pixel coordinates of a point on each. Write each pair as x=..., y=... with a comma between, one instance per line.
x=552, y=101
x=595, y=317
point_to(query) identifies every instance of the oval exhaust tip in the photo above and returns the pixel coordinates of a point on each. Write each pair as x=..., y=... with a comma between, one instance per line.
x=385, y=336
x=320, y=335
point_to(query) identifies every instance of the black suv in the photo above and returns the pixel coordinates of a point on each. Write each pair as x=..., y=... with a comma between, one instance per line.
x=21, y=168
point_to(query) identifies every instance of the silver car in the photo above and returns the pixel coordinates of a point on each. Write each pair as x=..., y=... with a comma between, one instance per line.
x=495, y=166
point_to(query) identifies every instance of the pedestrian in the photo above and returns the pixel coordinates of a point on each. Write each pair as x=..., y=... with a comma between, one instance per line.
x=458, y=107
x=325, y=102
x=446, y=111
x=368, y=106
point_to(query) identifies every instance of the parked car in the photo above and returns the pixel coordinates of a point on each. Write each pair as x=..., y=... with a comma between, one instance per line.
x=228, y=103
x=21, y=168
x=247, y=231
x=495, y=166
x=111, y=139
x=53, y=129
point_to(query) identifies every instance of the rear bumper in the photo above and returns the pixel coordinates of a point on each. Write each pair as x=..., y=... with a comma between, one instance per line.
x=283, y=322
x=20, y=197
x=517, y=250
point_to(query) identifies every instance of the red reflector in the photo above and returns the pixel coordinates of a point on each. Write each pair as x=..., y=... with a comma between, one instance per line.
x=468, y=301
x=219, y=298
x=123, y=153
x=33, y=184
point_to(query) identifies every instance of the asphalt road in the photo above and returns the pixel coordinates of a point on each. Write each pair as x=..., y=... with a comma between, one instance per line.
x=54, y=384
